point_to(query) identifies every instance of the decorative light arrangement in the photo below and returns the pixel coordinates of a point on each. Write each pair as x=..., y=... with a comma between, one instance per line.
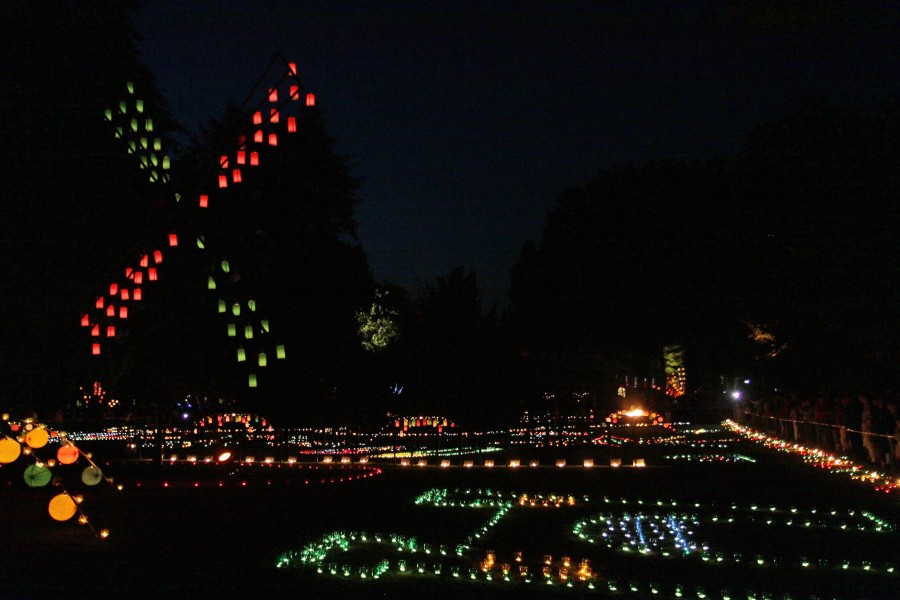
x=664, y=529
x=31, y=441
x=305, y=475
x=709, y=458
x=131, y=124
x=881, y=481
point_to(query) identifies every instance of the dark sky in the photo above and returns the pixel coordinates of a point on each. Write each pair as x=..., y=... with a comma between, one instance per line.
x=467, y=119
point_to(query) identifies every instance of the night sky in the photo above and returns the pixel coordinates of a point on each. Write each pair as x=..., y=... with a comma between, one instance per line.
x=467, y=119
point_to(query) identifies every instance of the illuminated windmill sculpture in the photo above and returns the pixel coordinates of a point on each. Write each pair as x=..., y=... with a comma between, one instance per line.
x=244, y=326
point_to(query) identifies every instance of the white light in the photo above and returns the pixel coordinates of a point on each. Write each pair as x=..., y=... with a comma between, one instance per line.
x=736, y=395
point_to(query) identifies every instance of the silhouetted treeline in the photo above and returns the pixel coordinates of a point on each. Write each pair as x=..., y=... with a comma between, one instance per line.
x=781, y=263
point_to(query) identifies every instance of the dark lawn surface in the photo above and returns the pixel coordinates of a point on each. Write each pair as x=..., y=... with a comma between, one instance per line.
x=209, y=542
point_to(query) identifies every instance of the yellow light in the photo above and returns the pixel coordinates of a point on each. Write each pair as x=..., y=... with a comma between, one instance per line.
x=104, y=533
x=224, y=455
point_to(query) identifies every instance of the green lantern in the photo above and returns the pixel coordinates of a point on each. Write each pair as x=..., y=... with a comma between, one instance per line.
x=279, y=351
x=262, y=359
x=241, y=355
x=251, y=380
x=232, y=330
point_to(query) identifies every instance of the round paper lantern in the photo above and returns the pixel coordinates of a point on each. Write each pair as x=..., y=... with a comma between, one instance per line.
x=67, y=454
x=37, y=438
x=9, y=450
x=62, y=507
x=91, y=476
x=37, y=476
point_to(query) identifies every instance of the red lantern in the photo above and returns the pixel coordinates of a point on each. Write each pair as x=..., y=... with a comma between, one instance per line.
x=137, y=294
x=128, y=272
x=292, y=125
x=95, y=330
x=257, y=118
x=295, y=92
x=223, y=181
x=85, y=320
x=273, y=115
x=111, y=310
x=113, y=289
x=173, y=239
x=145, y=261
x=254, y=159
x=151, y=273
x=241, y=157
x=138, y=277
x=273, y=139
x=124, y=293
x=204, y=201
x=123, y=312
x=258, y=136
x=99, y=302
x=223, y=162
x=293, y=68
x=273, y=95
x=236, y=175
x=95, y=349
x=110, y=331
x=310, y=99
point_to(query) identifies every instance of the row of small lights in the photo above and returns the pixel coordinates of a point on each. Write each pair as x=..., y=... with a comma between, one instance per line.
x=709, y=458
x=488, y=570
x=879, y=480
x=515, y=463
x=362, y=473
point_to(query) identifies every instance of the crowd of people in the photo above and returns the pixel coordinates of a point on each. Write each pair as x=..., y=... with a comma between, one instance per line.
x=864, y=427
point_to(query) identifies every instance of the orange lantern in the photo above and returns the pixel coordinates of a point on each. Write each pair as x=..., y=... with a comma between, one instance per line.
x=62, y=507
x=123, y=312
x=204, y=201
x=257, y=118
x=273, y=139
x=67, y=454
x=258, y=136
x=95, y=349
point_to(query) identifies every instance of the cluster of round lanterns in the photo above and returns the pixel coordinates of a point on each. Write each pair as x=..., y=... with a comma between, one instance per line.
x=62, y=506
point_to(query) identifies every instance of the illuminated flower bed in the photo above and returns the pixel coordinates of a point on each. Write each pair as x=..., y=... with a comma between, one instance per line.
x=659, y=531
